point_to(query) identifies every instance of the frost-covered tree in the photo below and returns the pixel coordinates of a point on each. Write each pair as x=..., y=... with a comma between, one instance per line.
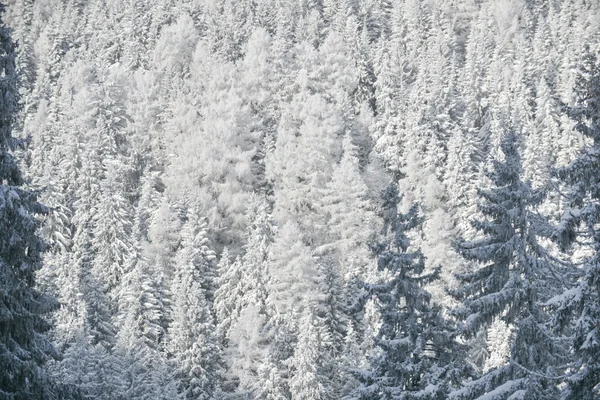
x=255, y=260
x=141, y=371
x=228, y=295
x=247, y=339
x=23, y=344
x=213, y=145
x=308, y=136
x=91, y=369
x=145, y=291
x=269, y=386
x=580, y=307
x=192, y=339
x=292, y=269
x=416, y=355
x=301, y=163
x=112, y=230
x=515, y=275
x=308, y=380
x=349, y=214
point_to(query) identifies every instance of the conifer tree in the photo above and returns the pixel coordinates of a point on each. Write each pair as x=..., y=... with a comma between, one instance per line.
x=254, y=261
x=349, y=214
x=516, y=274
x=247, y=339
x=192, y=335
x=98, y=318
x=416, y=356
x=228, y=296
x=292, y=270
x=580, y=308
x=308, y=381
x=142, y=371
x=23, y=346
x=269, y=385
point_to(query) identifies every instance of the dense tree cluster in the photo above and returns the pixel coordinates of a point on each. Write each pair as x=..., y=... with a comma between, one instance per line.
x=313, y=199
x=23, y=346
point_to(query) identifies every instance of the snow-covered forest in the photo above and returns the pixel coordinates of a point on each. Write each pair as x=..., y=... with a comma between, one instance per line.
x=300, y=199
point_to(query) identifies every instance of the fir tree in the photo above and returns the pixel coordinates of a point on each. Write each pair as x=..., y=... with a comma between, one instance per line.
x=308, y=381
x=228, y=296
x=416, y=356
x=269, y=385
x=192, y=335
x=23, y=346
x=581, y=307
x=516, y=274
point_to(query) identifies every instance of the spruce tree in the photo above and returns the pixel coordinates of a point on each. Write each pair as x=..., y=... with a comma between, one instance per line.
x=516, y=274
x=23, y=347
x=309, y=382
x=416, y=355
x=192, y=338
x=580, y=308
x=269, y=385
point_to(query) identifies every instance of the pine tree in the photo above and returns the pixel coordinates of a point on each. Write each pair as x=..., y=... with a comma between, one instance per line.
x=192, y=339
x=143, y=372
x=516, y=275
x=348, y=213
x=247, y=339
x=308, y=381
x=416, y=356
x=23, y=346
x=228, y=296
x=269, y=385
x=292, y=271
x=580, y=308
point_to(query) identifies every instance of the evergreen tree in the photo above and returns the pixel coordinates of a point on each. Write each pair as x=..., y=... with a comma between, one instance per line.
x=416, y=356
x=247, y=338
x=308, y=381
x=90, y=368
x=580, y=308
x=228, y=296
x=294, y=278
x=254, y=261
x=269, y=385
x=192, y=335
x=142, y=371
x=98, y=318
x=516, y=275
x=349, y=215
x=155, y=273
x=23, y=346
x=112, y=230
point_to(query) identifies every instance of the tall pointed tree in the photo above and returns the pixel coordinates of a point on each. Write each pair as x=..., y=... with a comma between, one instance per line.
x=308, y=381
x=416, y=355
x=581, y=220
x=23, y=346
x=193, y=341
x=515, y=275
